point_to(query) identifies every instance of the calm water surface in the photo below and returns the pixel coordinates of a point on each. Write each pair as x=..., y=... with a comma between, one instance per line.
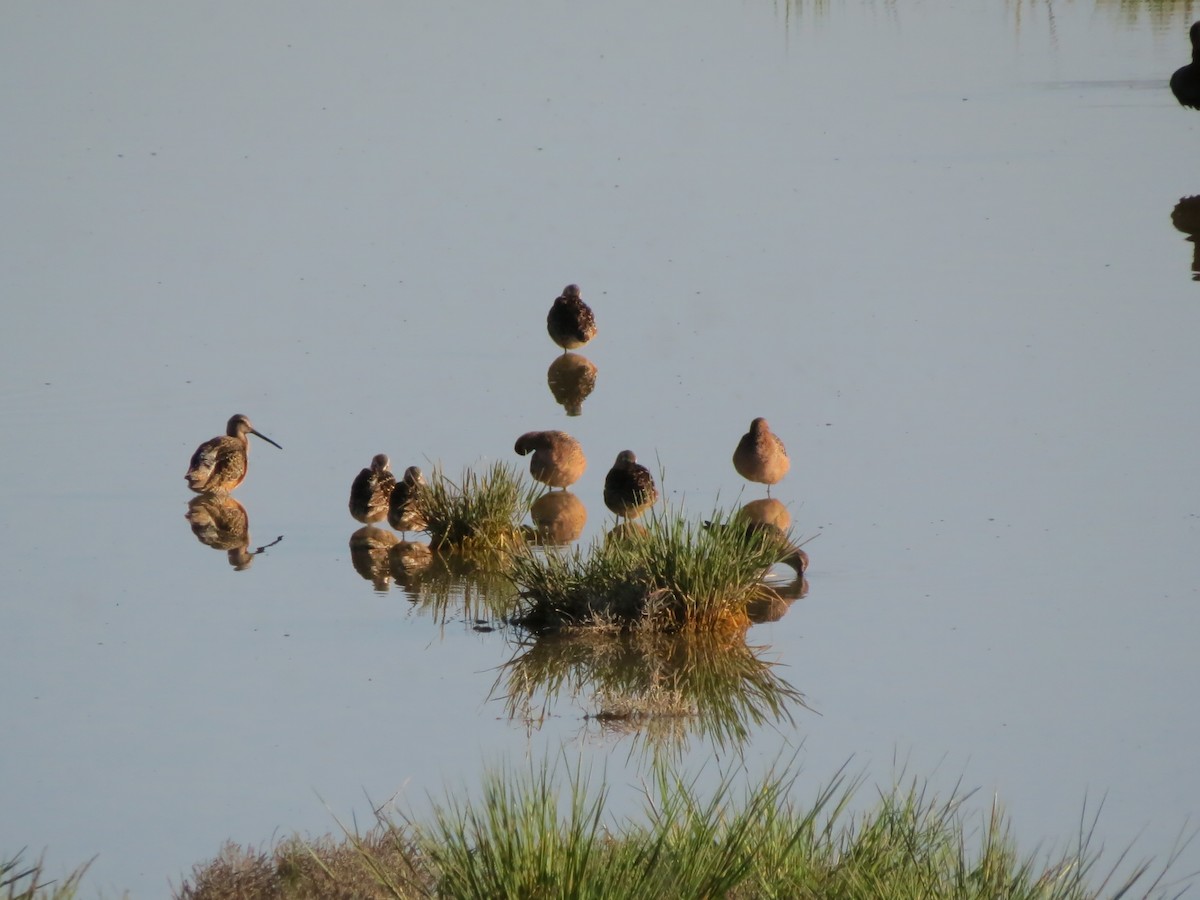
x=933, y=245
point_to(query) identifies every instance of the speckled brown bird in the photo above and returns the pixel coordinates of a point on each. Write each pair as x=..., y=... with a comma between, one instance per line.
x=404, y=513
x=219, y=464
x=629, y=488
x=760, y=456
x=571, y=322
x=1185, y=83
x=558, y=459
x=371, y=490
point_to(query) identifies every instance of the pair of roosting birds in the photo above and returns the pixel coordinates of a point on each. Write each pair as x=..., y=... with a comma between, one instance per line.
x=376, y=495
x=558, y=461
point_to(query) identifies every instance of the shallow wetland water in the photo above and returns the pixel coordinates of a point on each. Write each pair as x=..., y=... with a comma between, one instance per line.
x=943, y=248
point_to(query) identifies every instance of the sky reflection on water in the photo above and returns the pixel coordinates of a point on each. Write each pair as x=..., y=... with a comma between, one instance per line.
x=934, y=246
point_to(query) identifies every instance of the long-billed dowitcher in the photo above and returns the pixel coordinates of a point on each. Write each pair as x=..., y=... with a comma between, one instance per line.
x=404, y=514
x=371, y=490
x=629, y=488
x=760, y=456
x=219, y=464
x=1185, y=83
x=558, y=458
x=571, y=322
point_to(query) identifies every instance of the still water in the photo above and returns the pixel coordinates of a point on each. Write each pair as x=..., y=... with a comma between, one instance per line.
x=939, y=246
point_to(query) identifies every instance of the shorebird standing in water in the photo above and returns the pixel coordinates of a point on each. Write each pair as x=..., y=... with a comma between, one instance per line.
x=558, y=458
x=371, y=490
x=760, y=456
x=629, y=488
x=219, y=464
x=403, y=513
x=1185, y=83
x=571, y=322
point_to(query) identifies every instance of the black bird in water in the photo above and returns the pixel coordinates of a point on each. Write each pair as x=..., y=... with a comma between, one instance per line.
x=1185, y=83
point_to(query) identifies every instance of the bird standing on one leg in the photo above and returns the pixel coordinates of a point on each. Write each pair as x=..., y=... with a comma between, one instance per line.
x=760, y=456
x=629, y=488
x=571, y=322
x=220, y=463
x=558, y=458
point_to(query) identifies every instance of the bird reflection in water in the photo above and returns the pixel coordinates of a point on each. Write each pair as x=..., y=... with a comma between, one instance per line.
x=1186, y=217
x=571, y=379
x=408, y=561
x=369, y=554
x=220, y=522
x=559, y=517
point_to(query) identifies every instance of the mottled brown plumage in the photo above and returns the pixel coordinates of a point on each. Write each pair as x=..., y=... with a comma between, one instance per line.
x=371, y=490
x=558, y=459
x=760, y=456
x=570, y=321
x=219, y=464
x=629, y=488
x=369, y=548
x=404, y=512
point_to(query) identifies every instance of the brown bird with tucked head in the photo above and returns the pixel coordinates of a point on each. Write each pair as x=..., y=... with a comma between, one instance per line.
x=219, y=464
x=629, y=488
x=404, y=513
x=570, y=322
x=760, y=456
x=371, y=490
x=558, y=458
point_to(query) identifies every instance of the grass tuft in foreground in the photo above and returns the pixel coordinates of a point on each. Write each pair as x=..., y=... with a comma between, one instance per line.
x=674, y=575
x=530, y=835
x=28, y=881
x=481, y=513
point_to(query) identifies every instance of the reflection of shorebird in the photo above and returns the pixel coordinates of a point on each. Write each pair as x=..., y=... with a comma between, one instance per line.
x=570, y=322
x=221, y=522
x=558, y=458
x=768, y=510
x=760, y=456
x=403, y=512
x=219, y=464
x=571, y=378
x=629, y=487
x=369, y=547
x=1185, y=83
x=559, y=517
x=1186, y=217
x=371, y=490
x=786, y=552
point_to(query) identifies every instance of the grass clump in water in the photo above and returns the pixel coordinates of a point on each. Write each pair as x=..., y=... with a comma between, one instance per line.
x=675, y=575
x=480, y=513
x=28, y=881
x=530, y=835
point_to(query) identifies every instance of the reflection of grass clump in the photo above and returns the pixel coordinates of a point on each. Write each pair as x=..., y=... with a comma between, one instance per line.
x=673, y=576
x=530, y=835
x=718, y=688
x=481, y=513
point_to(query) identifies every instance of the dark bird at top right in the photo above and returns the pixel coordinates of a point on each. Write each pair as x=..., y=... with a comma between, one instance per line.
x=1185, y=83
